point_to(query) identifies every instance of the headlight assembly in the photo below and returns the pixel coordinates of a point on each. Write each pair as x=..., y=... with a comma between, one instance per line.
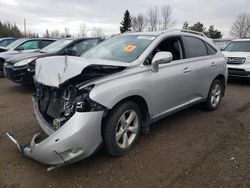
x=24, y=62
x=84, y=103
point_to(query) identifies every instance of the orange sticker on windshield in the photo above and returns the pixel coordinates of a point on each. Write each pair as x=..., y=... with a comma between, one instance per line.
x=130, y=48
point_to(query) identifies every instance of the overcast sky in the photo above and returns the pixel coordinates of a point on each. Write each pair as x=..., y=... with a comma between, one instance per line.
x=58, y=14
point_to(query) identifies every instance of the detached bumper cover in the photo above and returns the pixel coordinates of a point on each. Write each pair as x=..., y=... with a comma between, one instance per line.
x=78, y=138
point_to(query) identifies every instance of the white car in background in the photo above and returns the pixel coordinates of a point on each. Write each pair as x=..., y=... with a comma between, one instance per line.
x=238, y=58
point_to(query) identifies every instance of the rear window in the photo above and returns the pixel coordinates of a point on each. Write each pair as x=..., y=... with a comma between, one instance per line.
x=195, y=47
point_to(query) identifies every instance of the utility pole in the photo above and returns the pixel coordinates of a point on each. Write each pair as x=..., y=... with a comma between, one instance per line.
x=24, y=24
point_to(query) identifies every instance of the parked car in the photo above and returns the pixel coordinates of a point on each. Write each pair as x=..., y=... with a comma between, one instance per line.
x=222, y=43
x=6, y=41
x=238, y=58
x=117, y=89
x=21, y=68
x=23, y=46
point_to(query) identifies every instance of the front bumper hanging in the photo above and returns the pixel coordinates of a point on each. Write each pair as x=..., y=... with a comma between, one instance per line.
x=77, y=139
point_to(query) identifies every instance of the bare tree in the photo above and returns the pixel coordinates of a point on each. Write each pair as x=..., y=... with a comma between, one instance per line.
x=153, y=18
x=55, y=33
x=241, y=26
x=139, y=22
x=66, y=32
x=97, y=32
x=166, y=13
x=185, y=25
x=46, y=34
x=82, y=30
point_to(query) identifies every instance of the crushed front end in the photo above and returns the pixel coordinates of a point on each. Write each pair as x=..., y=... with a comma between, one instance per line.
x=72, y=122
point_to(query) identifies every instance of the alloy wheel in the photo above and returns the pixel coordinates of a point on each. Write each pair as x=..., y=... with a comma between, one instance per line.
x=127, y=129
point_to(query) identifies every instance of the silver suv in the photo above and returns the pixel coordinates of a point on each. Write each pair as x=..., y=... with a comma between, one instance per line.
x=117, y=89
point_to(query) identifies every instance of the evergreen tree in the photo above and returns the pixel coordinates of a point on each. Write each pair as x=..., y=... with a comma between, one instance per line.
x=199, y=27
x=126, y=22
x=213, y=33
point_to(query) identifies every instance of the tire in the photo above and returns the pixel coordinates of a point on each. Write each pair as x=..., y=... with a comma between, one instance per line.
x=214, y=96
x=1, y=74
x=124, y=121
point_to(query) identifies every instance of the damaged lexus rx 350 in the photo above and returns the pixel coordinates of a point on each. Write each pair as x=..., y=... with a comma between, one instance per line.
x=117, y=89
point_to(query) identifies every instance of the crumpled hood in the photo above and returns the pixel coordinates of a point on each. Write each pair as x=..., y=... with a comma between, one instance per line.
x=55, y=70
x=236, y=54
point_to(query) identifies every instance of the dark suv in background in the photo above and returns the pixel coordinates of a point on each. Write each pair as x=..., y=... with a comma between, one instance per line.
x=21, y=68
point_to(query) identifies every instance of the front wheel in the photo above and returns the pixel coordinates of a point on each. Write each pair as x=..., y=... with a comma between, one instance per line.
x=214, y=95
x=122, y=128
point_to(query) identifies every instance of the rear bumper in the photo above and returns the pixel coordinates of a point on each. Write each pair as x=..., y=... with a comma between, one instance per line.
x=77, y=139
x=22, y=75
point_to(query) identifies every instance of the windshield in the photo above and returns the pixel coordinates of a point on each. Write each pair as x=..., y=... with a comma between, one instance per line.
x=123, y=48
x=56, y=46
x=238, y=46
x=5, y=43
x=15, y=43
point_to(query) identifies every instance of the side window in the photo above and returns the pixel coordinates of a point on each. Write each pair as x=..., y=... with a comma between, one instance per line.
x=44, y=43
x=195, y=47
x=31, y=44
x=210, y=49
x=172, y=45
x=83, y=46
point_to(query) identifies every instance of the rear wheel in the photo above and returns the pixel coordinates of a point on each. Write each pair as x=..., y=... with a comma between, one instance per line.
x=122, y=128
x=214, y=96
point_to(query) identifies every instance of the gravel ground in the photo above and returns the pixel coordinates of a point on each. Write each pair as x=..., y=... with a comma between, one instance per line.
x=192, y=148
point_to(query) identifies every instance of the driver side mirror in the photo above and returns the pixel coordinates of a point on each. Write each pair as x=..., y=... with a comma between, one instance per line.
x=70, y=52
x=161, y=58
x=19, y=48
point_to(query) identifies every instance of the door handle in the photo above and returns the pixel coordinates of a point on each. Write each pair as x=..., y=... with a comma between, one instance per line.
x=187, y=70
x=213, y=64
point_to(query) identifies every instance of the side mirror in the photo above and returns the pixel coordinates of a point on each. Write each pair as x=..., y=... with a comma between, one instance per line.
x=70, y=52
x=161, y=58
x=19, y=48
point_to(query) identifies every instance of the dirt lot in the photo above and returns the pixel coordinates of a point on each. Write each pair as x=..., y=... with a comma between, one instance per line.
x=192, y=148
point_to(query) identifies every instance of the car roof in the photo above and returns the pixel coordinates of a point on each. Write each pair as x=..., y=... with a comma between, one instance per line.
x=6, y=38
x=241, y=40
x=167, y=32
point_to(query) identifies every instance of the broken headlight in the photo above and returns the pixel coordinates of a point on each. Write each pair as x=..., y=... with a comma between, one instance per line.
x=84, y=103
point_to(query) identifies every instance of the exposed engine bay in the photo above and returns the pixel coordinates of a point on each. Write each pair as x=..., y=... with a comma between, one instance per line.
x=57, y=105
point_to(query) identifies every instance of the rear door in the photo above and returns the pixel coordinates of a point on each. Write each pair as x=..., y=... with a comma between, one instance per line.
x=202, y=63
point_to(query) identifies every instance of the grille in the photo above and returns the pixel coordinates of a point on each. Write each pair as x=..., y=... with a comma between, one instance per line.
x=236, y=60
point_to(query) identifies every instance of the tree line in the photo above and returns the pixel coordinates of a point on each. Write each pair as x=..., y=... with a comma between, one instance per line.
x=156, y=19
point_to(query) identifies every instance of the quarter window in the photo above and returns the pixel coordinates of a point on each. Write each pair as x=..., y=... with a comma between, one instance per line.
x=210, y=49
x=195, y=47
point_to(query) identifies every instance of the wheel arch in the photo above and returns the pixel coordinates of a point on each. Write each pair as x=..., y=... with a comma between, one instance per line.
x=140, y=101
x=223, y=81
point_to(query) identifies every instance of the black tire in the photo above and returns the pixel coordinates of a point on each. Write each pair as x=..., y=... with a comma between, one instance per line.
x=111, y=125
x=1, y=74
x=209, y=105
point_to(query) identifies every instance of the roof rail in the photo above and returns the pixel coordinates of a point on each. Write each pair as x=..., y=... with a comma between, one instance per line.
x=188, y=31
